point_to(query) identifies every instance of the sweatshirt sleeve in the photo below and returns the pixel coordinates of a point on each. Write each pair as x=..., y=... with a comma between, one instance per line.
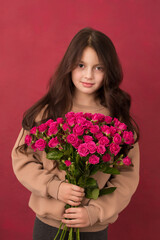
x=30, y=172
x=106, y=208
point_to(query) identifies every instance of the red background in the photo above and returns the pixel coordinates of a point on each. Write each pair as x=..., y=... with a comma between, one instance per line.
x=34, y=35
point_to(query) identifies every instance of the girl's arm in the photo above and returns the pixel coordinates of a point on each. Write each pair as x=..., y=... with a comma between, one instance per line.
x=106, y=208
x=30, y=172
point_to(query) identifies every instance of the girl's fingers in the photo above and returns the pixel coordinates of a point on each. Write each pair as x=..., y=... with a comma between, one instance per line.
x=70, y=215
x=73, y=221
x=78, y=189
x=72, y=203
x=79, y=194
x=72, y=210
x=76, y=199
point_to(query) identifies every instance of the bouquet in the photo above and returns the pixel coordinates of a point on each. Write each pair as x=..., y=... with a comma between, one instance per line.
x=84, y=143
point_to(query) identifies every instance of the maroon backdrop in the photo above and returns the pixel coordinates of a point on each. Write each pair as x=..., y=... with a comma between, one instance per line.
x=33, y=38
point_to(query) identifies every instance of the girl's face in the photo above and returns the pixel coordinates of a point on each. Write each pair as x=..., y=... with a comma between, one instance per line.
x=88, y=76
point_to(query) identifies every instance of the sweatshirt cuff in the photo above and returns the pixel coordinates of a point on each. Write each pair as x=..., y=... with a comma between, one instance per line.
x=93, y=213
x=53, y=188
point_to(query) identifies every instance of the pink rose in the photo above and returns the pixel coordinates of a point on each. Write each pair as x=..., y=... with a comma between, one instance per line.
x=122, y=126
x=53, y=142
x=87, y=138
x=128, y=137
x=33, y=130
x=76, y=144
x=94, y=129
x=52, y=129
x=40, y=144
x=28, y=139
x=88, y=124
x=42, y=127
x=106, y=130
x=60, y=120
x=113, y=130
x=126, y=161
x=78, y=115
x=71, y=121
x=66, y=127
x=72, y=138
x=117, y=138
x=88, y=115
x=101, y=149
x=68, y=163
x=78, y=130
x=81, y=121
x=93, y=159
x=48, y=123
x=104, y=141
x=106, y=158
x=114, y=148
x=69, y=114
x=91, y=147
x=116, y=122
x=99, y=135
x=98, y=117
x=83, y=150
x=108, y=119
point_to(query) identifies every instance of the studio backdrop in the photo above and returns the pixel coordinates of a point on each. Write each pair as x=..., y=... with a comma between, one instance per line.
x=34, y=36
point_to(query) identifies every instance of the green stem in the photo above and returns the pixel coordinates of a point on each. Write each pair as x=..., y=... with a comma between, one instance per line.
x=63, y=233
x=58, y=231
x=70, y=237
x=77, y=234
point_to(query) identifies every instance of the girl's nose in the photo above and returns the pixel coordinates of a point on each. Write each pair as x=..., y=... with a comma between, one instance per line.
x=88, y=73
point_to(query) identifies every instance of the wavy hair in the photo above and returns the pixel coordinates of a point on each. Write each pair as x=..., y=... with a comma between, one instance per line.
x=59, y=98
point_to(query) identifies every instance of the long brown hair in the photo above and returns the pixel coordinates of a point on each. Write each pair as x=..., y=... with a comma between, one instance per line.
x=58, y=99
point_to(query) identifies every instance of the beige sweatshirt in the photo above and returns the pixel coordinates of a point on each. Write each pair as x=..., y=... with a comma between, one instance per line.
x=36, y=173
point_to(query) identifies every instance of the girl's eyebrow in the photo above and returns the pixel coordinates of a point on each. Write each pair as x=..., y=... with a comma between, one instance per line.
x=94, y=65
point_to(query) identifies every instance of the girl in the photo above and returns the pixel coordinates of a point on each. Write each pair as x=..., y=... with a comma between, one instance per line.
x=86, y=80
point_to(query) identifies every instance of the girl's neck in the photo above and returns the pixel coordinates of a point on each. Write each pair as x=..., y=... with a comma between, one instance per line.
x=87, y=107
x=86, y=102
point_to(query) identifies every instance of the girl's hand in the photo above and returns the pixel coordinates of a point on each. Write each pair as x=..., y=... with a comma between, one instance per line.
x=70, y=194
x=79, y=217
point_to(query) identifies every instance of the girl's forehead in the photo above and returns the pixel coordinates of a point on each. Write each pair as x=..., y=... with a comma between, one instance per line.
x=88, y=53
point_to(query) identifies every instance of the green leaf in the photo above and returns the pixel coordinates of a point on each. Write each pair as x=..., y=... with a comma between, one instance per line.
x=91, y=182
x=81, y=182
x=62, y=166
x=111, y=171
x=94, y=169
x=92, y=193
x=66, y=153
x=105, y=191
x=77, y=172
x=54, y=155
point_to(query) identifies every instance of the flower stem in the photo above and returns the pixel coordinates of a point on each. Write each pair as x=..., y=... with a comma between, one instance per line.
x=58, y=231
x=70, y=237
x=63, y=233
x=77, y=234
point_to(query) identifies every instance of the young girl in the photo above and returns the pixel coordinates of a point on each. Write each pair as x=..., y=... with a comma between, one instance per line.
x=86, y=80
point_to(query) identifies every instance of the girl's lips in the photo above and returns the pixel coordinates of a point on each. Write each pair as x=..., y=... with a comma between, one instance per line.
x=87, y=84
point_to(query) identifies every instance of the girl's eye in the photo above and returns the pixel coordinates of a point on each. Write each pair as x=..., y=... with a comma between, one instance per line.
x=80, y=65
x=100, y=68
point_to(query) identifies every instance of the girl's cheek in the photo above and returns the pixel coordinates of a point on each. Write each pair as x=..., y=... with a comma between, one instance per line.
x=76, y=75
